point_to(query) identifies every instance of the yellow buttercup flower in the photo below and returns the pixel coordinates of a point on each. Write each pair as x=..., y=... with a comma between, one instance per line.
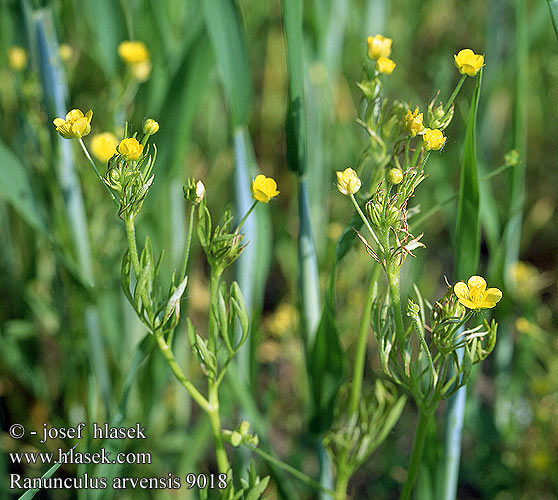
x=378, y=46
x=413, y=122
x=468, y=63
x=141, y=71
x=433, y=139
x=66, y=52
x=348, y=182
x=385, y=65
x=263, y=188
x=75, y=126
x=474, y=294
x=103, y=146
x=133, y=52
x=17, y=58
x=130, y=149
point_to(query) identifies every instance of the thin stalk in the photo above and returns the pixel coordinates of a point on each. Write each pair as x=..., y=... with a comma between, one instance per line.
x=243, y=220
x=416, y=454
x=80, y=140
x=188, y=241
x=132, y=245
x=215, y=420
x=365, y=220
x=360, y=353
x=454, y=95
x=167, y=353
x=213, y=293
x=291, y=470
x=395, y=292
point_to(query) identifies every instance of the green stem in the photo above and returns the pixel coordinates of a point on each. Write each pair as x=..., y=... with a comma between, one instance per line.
x=393, y=279
x=454, y=95
x=213, y=293
x=360, y=354
x=365, y=220
x=341, y=484
x=215, y=420
x=416, y=454
x=131, y=235
x=243, y=220
x=97, y=172
x=291, y=470
x=167, y=353
x=188, y=241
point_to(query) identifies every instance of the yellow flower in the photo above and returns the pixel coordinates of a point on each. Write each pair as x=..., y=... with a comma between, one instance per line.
x=468, y=63
x=150, y=126
x=66, y=52
x=385, y=65
x=413, y=122
x=378, y=46
x=433, y=139
x=130, y=149
x=263, y=188
x=17, y=58
x=75, y=126
x=103, y=146
x=133, y=52
x=474, y=294
x=141, y=71
x=348, y=182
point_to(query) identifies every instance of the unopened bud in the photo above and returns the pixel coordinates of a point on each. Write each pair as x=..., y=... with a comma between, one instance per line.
x=394, y=175
x=150, y=127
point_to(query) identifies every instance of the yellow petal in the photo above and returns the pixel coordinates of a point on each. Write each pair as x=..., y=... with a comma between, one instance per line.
x=58, y=122
x=73, y=115
x=461, y=290
x=477, y=282
x=493, y=295
x=468, y=303
x=89, y=115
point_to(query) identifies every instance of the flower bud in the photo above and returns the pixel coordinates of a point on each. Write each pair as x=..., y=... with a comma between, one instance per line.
x=394, y=175
x=468, y=63
x=130, y=149
x=385, y=65
x=133, y=52
x=17, y=58
x=392, y=216
x=375, y=213
x=348, y=182
x=244, y=427
x=114, y=175
x=150, y=127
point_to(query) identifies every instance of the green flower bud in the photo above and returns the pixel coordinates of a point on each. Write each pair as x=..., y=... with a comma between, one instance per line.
x=394, y=175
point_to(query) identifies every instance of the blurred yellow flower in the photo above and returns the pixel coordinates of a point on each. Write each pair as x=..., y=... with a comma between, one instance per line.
x=385, y=65
x=468, y=63
x=413, y=122
x=130, y=148
x=348, y=182
x=150, y=126
x=17, y=58
x=141, y=71
x=474, y=294
x=263, y=188
x=75, y=126
x=433, y=139
x=133, y=52
x=66, y=52
x=103, y=146
x=378, y=46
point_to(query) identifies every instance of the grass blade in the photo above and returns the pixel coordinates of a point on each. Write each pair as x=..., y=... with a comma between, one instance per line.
x=553, y=8
x=467, y=250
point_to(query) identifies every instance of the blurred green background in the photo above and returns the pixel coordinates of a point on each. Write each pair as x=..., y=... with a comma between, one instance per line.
x=66, y=346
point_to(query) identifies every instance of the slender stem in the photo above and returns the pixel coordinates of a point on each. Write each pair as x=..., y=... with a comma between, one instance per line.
x=131, y=235
x=97, y=172
x=213, y=292
x=215, y=420
x=167, y=353
x=365, y=220
x=416, y=454
x=243, y=220
x=291, y=470
x=188, y=241
x=406, y=161
x=454, y=95
x=393, y=279
x=341, y=484
x=360, y=353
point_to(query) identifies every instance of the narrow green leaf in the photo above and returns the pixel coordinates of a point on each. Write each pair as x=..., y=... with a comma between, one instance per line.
x=223, y=24
x=553, y=7
x=296, y=116
x=467, y=238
